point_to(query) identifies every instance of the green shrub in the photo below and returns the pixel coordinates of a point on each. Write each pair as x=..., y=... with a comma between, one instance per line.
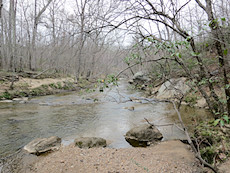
x=37, y=92
x=53, y=85
x=6, y=95
x=208, y=153
x=59, y=85
x=45, y=86
x=191, y=99
x=211, y=139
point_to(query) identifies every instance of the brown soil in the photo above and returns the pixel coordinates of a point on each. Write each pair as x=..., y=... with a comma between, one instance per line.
x=170, y=156
x=29, y=83
x=34, y=83
x=225, y=167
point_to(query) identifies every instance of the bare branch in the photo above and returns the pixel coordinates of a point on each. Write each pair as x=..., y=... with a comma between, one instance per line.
x=197, y=153
x=201, y=5
x=152, y=60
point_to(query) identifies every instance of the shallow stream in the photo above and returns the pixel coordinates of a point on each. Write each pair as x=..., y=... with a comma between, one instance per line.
x=72, y=115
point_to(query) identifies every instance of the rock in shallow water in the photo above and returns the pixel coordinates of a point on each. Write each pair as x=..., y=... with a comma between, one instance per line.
x=90, y=142
x=42, y=145
x=143, y=135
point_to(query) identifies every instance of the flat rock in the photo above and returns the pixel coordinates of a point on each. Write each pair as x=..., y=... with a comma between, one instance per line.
x=42, y=145
x=20, y=99
x=6, y=101
x=90, y=142
x=143, y=135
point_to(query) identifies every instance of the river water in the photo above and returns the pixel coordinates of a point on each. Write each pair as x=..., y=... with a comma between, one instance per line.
x=72, y=115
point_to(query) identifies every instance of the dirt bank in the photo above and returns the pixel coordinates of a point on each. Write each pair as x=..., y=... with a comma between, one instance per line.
x=18, y=86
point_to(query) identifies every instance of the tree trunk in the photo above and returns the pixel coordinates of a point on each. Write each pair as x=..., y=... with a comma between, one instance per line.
x=220, y=47
x=10, y=53
x=34, y=34
x=14, y=46
x=1, y=35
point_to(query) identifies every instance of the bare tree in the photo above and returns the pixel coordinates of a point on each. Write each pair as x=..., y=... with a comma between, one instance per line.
x=12, y=35
x=37, y=17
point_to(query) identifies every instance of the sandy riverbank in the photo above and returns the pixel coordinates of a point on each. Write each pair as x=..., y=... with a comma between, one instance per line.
x=170, y=156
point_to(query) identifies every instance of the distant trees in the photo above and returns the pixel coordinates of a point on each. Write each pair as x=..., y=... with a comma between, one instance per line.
x=65, y=36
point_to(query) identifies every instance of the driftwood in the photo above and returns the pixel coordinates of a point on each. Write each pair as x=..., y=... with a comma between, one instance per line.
x=42, y=72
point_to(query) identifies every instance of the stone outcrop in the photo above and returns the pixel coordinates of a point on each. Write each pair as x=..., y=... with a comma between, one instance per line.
x=90, y=142
x=173, y=88
x=42, y=145
x=143, y=135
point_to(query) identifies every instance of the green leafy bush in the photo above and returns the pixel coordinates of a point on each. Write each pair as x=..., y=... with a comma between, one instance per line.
x=191, y=99
x=6, y=95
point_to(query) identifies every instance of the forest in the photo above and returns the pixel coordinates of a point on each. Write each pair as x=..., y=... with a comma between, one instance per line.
x=103, y=40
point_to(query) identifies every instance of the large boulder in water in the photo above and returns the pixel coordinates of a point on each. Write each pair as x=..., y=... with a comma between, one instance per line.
x=42, y=145
x=143, y=135
x=90, y=142
x=173, y=88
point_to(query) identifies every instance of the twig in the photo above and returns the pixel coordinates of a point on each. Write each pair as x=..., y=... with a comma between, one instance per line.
x=42, y=72
x=160, y=125
x=152, y=60
x=149, y=122
x=12, y=83
x=45, y=71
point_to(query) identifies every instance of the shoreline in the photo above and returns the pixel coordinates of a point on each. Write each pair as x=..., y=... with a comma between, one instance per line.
x=166, y=156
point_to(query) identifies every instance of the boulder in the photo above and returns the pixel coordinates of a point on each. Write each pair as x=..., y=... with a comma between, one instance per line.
x=201, y=103
x=131, y=81
x=140, y=77
x=143, y=135
x=172, y=88
x=42, y=145
x=90, y=142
